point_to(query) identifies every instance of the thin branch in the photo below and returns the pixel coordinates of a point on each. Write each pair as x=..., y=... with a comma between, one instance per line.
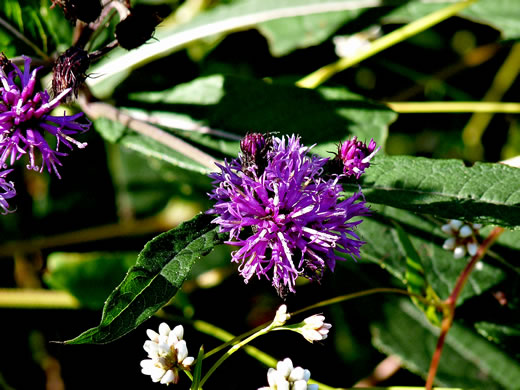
x=104, y=110
x=323, y=74
x=449, y=313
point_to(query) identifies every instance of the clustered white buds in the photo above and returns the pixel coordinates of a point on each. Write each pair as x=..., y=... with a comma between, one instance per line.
x=167, y=353
x=315, y=329
x=463, y=237
x=288, y=377
x=281, y=316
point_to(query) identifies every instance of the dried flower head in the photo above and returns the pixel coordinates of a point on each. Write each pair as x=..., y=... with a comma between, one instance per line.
x=463, y=238
x=167, y=353
x=137, y=28
x=287, y=220
x=85, y=10
x=354, y=156
x=25, y=119
x=8, y=192
x=288, y=377
x=69, y=72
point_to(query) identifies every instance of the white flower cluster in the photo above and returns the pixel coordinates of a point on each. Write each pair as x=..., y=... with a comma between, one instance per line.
x=315, y=329
x=287, y=377
x=167, y=353
x=463, y=238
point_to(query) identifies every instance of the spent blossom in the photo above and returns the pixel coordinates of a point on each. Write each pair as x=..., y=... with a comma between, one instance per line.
x=8, y=191
x=288, y=377
x=25, y=118
x=462, y=238
x=287, y=219
x=167, y=354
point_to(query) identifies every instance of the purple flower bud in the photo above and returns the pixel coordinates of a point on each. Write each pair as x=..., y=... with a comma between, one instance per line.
x=287, y=220
x=8, y=192
x=355, y=156
x=25, y=119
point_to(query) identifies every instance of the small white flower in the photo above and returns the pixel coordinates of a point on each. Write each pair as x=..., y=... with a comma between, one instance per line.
x=288, y=377
x=314, y=328
x=167, y=354
x=463, y=238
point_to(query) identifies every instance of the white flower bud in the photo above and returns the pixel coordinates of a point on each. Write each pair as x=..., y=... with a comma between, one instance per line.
x=459, y=252
x=286, y=377
x=152, y=335
x=296, y=374
x=449, y=244
x=465, y=231
x=314, y=328
x=455, y=224
x=164, y=329
x=169, y=377
x=281, y=316
x=285, y=367
x=300, y=385
x=472, y=248
x=447, y=229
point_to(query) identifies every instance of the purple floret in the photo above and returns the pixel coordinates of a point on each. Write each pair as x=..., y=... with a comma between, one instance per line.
x=286, y=219
x=8, y=191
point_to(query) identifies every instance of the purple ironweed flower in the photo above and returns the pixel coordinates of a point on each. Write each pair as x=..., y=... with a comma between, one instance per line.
x=355, y=156
x=25, y=118
x=296, y=222
x=8, y=192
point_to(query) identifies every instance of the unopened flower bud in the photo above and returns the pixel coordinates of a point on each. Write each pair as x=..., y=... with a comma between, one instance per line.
x=281, y=316
x=288, y=377
x=354, y=157
x=315, y=329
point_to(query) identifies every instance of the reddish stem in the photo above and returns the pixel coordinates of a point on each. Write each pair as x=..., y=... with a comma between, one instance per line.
x=449, y=312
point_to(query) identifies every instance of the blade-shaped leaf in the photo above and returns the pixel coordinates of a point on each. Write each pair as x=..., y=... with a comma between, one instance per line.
x=468, y=360
x=224, y=18
x=485, y=193
x=161, y=268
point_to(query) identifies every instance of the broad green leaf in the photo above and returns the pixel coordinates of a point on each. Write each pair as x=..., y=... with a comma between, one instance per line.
x=507, y=336
x=224, y=18
x=500, y=14
x=485, y=192
x=161, y=268
x=468, y=360
x=237, y=105
x=286, y=35
x=90, y=277
x=118, y=133
x=384, y=247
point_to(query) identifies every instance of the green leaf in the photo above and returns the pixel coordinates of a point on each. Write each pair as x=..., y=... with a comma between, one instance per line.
x=224, y=18
x=197, y=372
x=238, y=105
x=116, y=132
x=161, y=268
x=468, y=360
x=41, y=30
x=415, y=279
x=90, y=277
x=500, y=14
x=286, y=35
x=384, y=247
x=486, y=193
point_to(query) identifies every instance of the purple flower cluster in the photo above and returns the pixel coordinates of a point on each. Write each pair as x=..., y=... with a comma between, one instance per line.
x=286, y=217
x=25, y=119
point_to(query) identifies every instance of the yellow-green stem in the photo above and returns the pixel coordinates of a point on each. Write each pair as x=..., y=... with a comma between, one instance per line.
x=323, y=74
x=454, y=107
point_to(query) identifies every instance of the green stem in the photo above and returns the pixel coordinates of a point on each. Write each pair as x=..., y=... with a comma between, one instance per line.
x=323, y=74
x=454, y=107
x=24, y=39
x=232, y=350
